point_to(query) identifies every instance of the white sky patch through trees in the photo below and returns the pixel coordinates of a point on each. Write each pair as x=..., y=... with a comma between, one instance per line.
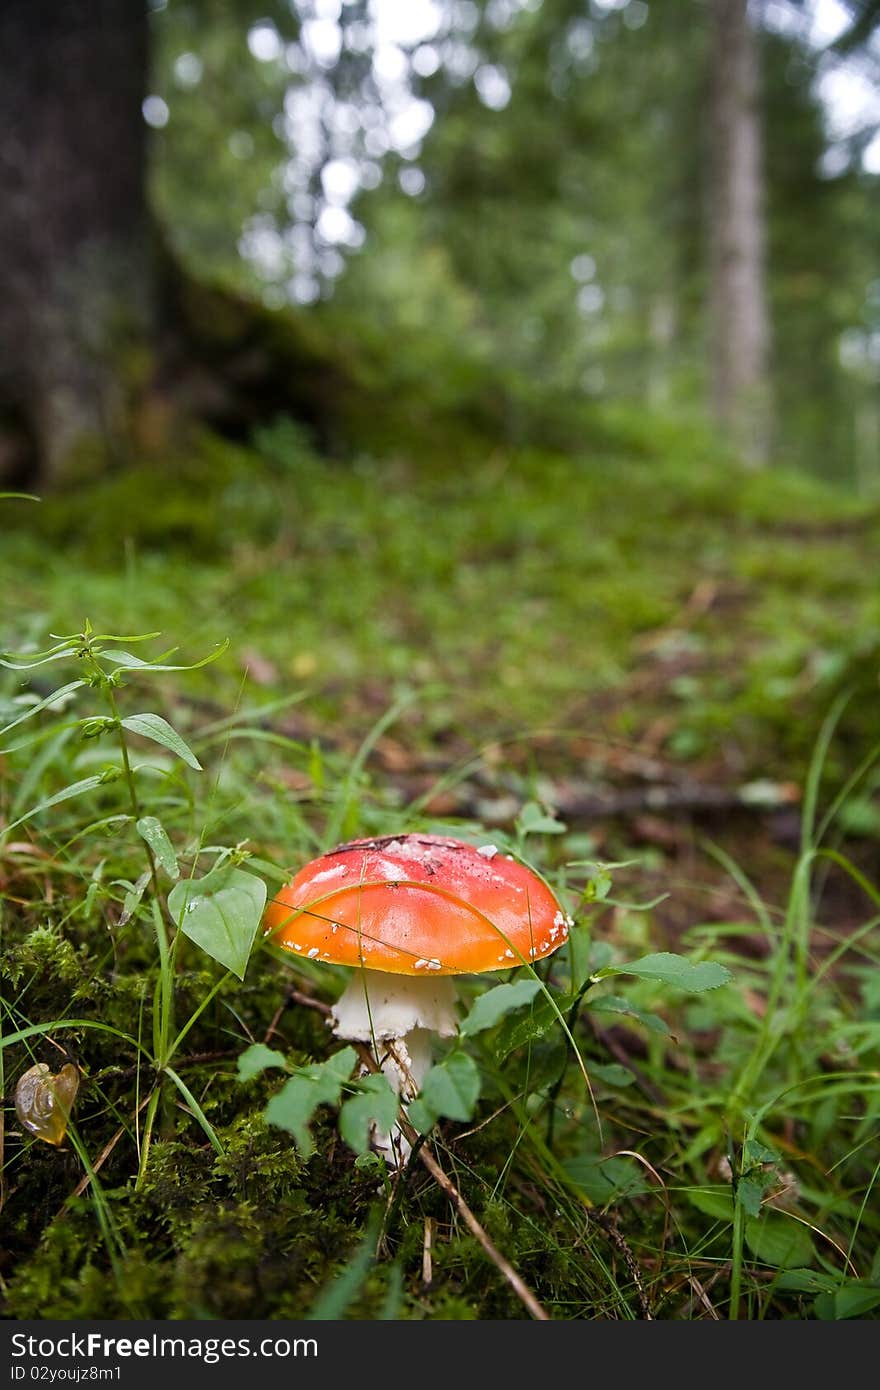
x=336, y=146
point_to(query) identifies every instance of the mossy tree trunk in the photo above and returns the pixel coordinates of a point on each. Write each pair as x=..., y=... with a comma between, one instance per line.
x=76, y=275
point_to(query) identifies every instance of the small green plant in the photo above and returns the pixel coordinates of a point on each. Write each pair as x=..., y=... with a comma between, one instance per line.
x=219, y=911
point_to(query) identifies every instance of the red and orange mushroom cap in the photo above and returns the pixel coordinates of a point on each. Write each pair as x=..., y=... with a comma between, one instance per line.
x=417, y=905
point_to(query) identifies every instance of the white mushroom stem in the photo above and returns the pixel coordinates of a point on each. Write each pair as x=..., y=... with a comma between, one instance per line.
x=398, y=1015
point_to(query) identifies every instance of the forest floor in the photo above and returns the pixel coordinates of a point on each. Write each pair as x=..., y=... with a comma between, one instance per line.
x=629, y=657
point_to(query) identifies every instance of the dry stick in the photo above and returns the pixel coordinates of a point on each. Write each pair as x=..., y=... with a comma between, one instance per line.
x=609, y=1226
x=445, y=1183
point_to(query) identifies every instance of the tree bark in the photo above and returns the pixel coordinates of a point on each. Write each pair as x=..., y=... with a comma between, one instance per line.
x=76, y=276
x=739, y=327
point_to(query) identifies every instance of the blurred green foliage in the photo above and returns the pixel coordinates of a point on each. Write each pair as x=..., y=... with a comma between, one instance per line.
x=549, y=253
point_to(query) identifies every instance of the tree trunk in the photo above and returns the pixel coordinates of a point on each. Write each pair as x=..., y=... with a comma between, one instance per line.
x=76, y=279
x=738, y=305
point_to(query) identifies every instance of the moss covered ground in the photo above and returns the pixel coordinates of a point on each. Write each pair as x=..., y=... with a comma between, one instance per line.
x=633, y=641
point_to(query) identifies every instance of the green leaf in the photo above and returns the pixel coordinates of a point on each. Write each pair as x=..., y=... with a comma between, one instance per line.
x=778, y=1240
x=675, y=970
x=716, y=1202
x=856, y=1298
x=452, y=1088
x=158, y=730
x=614, y=1004
x=421, y=1116
x=125, y=661
x=133, y=896
x=756, y=1152
x=309, y=1087
x=377, y=1104
x=50, y=700
x=605, y=1179
x=221, y=913
x=257, y=1058
x=495, y=1003
x=63, y=653
x=806, y=1281
x=533, y=820
x=598, y=885
x=151, y=830
x=516, y=1032
x=749, y=1194
x=612, y=1073
x=87, y=784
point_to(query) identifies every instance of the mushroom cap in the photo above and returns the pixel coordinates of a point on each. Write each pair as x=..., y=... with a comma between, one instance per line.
x=417, y=905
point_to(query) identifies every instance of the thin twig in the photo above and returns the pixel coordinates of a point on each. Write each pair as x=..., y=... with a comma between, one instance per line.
x=443, y=1181
x=609, y=1226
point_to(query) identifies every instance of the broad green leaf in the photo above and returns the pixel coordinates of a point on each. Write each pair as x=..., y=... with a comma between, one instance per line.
x=151, y=830
x=50, y=700
x=221, y=913
x=606, y=1179
x=675, y=970
x=516, y=1032
x=856, y=1298
x=299, y=1098
x=376, y=1104
x=614, y=1004
x=495, y=1003
x=257, y=1058
x=712, y=1201
x=778, y=1240
x=421, y=1116
x=452, y=1088
x=749, y=1194
x=157, y=729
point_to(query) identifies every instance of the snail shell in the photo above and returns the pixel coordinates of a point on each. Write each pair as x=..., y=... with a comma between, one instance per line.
x=43, y=1102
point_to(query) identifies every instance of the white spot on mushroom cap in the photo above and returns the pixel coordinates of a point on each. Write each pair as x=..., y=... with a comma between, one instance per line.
x=333, y=872
x=313, y=952
x=488, y=851
x=392, y=872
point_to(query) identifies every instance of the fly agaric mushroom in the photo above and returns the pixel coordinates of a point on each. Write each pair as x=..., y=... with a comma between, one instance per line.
x=412, y=911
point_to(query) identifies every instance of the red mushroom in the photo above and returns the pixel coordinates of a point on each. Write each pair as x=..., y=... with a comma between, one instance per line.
x=412, y=911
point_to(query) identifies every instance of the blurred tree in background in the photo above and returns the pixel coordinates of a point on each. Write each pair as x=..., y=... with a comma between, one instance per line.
x=507, y=214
